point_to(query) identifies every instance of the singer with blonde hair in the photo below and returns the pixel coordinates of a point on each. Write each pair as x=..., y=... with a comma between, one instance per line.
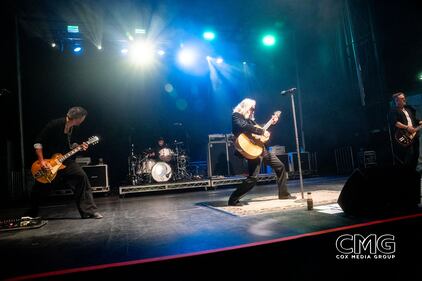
x=243, y=121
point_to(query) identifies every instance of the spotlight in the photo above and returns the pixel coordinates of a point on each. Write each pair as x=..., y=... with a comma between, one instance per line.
x=420, y=76
x=208, y=58
x=187, y=57
x=219, y=60
x=124, y=51
x=161, y=52
x=268, y=40
x=77, y=49
x=99, y=47
x=53, y=45
x=208, y=35
x=244, y=62
x=142, y=53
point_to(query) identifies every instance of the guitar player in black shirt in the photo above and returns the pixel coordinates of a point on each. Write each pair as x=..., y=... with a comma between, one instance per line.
x=403, y=117
x=56, y=137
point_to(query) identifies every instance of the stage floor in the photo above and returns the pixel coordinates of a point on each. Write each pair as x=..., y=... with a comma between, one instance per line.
x=156, y=225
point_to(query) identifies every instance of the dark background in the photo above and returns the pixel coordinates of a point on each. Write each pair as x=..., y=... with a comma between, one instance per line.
x=314, y=53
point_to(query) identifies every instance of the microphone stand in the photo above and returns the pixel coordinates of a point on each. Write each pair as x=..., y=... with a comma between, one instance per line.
x=297, y=143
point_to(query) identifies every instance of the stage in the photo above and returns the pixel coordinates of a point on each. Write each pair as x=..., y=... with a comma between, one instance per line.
x=152, y=227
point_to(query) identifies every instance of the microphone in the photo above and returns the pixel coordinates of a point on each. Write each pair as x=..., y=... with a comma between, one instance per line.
x=289, y=91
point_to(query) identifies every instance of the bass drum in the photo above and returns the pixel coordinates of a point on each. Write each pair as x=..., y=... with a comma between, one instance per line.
x=161, y=172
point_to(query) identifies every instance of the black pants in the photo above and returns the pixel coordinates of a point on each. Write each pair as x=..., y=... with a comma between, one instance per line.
x=253, y=167
x=74, y=177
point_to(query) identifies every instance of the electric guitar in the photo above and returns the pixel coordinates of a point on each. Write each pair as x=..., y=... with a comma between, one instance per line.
x=404, y=138
x=251, y=147
x=56, y=163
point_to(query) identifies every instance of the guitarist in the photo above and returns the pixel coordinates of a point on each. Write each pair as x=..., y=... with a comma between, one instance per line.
x=403, y=117
x=243, y=121
x=56, y=137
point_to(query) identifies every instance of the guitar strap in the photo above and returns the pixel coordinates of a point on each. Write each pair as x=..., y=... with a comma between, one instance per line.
x=69, y=136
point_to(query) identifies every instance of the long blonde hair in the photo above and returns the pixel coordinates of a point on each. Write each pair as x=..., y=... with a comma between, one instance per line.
x=243, y=108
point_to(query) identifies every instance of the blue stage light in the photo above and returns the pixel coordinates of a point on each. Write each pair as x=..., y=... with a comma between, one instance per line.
x=208, y=35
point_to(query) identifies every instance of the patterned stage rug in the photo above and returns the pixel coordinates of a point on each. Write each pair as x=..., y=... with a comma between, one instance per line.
x=271, y=204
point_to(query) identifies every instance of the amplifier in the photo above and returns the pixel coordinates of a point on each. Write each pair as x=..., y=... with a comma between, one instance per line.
x=305, y=161
x=98, y=177
x=284, y=158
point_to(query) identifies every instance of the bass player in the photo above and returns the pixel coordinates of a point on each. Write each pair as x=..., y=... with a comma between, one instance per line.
x=243, y=121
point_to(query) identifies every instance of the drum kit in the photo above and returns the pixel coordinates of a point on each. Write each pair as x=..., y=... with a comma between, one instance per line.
x=171, y=165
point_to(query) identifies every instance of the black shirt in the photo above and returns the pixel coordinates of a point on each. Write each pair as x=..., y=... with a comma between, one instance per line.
x=54, y=140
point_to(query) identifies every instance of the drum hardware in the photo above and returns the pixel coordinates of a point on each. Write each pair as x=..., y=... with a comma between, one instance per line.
x=181, y=172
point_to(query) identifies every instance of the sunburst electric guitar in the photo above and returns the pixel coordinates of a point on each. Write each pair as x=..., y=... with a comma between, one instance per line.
x=251, y=147
x=56, y=162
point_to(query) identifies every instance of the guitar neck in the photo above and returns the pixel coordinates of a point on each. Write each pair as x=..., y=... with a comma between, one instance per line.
x=267, y=125
x=70, y=153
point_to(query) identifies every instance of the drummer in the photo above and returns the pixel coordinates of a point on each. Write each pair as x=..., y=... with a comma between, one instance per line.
x=160, y=145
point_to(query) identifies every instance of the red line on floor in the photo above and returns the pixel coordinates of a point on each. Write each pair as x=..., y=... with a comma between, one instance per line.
x=148, y=260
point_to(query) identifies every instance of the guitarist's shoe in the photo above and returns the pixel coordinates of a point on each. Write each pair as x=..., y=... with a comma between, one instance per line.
x=286, y=197
x=236, y=203
x=95, y=215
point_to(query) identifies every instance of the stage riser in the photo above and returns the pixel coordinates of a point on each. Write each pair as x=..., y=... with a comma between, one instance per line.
x=194, y=184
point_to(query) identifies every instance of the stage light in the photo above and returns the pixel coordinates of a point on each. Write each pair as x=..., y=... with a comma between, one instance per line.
x=140, y=31
x=99, y=47
x=142, y=53
x=73, y=29
x=187, y=57
x=269, y=40
x=129, y=36
x=208, y=35
x=244, y=62
x=208, y=58
x=124, y=51
x=420, y=76
x=77, y=49
x=161, y=52
x=53, y=45
x=219, y=60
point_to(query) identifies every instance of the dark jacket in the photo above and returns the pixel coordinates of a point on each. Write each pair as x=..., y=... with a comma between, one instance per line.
x=242, y=125
x=397, y=115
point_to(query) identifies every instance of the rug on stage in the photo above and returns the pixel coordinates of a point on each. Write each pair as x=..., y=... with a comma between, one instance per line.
x=271, y=204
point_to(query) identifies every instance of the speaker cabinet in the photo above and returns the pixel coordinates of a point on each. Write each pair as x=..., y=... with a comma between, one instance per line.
x=98, y=177
x=218, y=159
x=379, y=190
x=305, y=161
x=284, y=158
x=238, y=166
